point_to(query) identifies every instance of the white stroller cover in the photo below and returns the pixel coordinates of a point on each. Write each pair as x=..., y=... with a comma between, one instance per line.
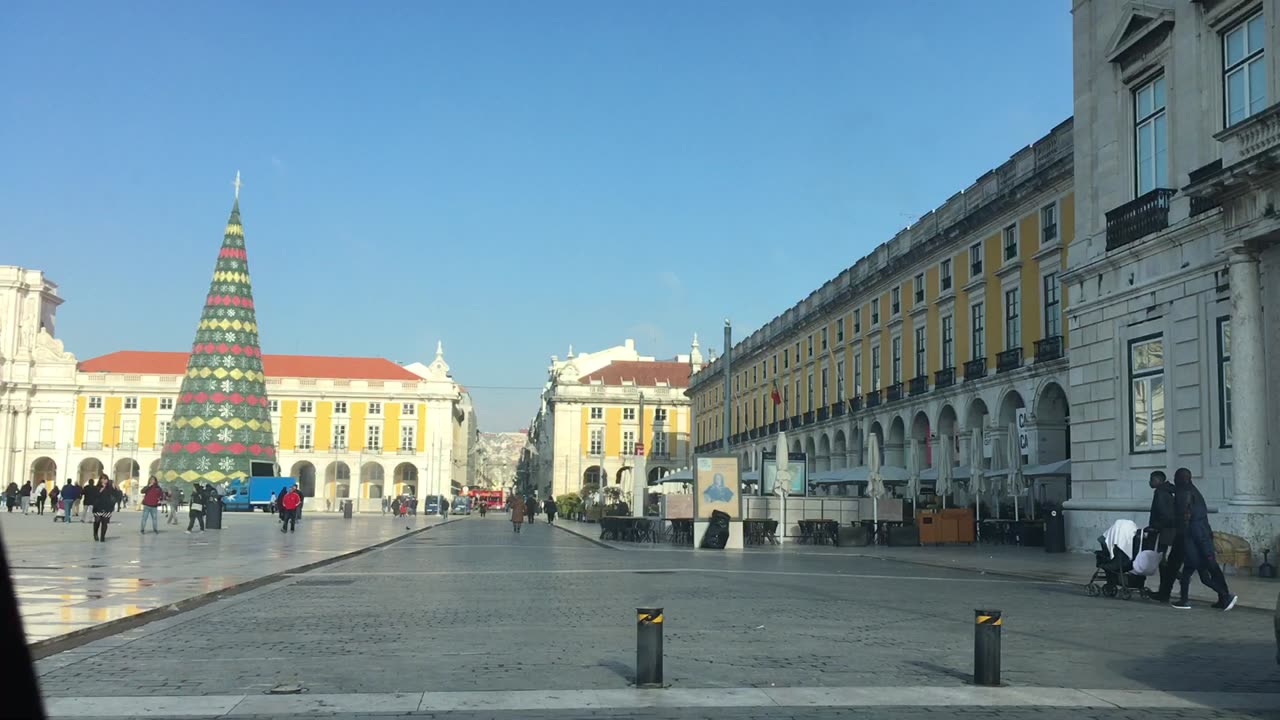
x=1121, y=533
x=1147, y=563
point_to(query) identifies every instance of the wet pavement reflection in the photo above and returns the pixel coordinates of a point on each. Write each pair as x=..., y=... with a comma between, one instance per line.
x=66, y=582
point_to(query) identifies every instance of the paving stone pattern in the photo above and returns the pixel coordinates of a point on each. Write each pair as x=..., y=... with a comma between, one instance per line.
x=471, y=606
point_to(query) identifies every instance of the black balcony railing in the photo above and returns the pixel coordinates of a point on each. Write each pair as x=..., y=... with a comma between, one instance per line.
x=808, y=417
x=855, y=404
x=873, y=398
x=773, y=427
x=823, y=413
x=1138, y=218
x=944, y=378
x=1049, y=348
x=894, y=392
x=753, y=433
x=44, y=445
x=1010, y=359
x=838, y=409
x=795, y=421
x=975, y=368
x=919, y=385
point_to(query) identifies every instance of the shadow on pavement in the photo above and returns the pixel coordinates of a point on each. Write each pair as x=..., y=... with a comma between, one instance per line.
x=1182, y=666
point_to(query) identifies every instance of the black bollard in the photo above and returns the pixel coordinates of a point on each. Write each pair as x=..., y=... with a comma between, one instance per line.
x=649, y=647
x=986, y=647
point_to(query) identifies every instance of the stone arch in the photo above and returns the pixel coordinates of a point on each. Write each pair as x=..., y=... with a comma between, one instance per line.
x=305, y=473
x=337, y=480
x=922, y=433
x=878, y=430
x=593, y=476
x=657, y=473
x=810, y=454
x=824, y=453
x=1052, y=424
x=125, y=474
x=44, y=471
x=153, y=471
x=404, y=478
x=796, y=447
x=89, y=470
x=372, y=480
x=1010, y=402
x=839, y=451
x=856, y=447
x=895, y=452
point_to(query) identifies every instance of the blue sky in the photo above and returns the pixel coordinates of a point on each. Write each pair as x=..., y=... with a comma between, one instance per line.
x=508, y=177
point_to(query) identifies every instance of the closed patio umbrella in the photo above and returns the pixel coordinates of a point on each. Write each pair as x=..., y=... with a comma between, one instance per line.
x=875, y=483
x=782, y=481
x=976, y=479
x=946, y=469
x=1015, y=467
x=913, y=471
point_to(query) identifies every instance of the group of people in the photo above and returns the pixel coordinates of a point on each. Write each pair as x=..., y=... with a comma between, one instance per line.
x=523, y=507
x=1181, y=517
x=20, y=498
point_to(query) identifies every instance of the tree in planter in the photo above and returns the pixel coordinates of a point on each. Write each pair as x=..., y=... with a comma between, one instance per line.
x=569, y=505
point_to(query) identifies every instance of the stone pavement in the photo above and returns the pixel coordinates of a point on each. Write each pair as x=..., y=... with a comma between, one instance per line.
x=471, y=610
x=67, y=583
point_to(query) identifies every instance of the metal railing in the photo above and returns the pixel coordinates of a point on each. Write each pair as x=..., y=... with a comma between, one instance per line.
x=1010, y=359
x=944, y=378
x=975, y=368
x=1049, y=348
x=855, y=404
x=894, y=392
x=873, y=398
x=823, y=413
x=838, y=409
x=919, y=385
x=1139, y=218
x=44, y=445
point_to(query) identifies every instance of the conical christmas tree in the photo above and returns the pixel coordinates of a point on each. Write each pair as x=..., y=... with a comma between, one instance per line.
x=222, y=420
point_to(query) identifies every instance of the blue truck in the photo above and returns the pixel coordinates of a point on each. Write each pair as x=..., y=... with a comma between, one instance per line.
x=249, y=495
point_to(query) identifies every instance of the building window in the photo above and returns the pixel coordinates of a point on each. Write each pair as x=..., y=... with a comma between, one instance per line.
x=93, y=431
x=979, y=340
x=131, y=403
x=1052, y=307
x=373, y=437
x=786, y=359
x=808, y=398
x=1012, y=321
x=895, y=301
x=408, y=409
x=944, y=275
x=824, y=339
x=597, y=413
x=948, y=342
x=275, y=406
x=920, y=361
x=839, y=381
x=975, y=260
x=764, y=369
x=1048, y=223
x=46, y=431
x=797, y=395
x=340, y=407
x=875, y=312
x=95, y=402
x=825, y=399
x=857, y=374
x=306, y=407
x=775, y=364
x=1245, y=72
x=809, y=346
x=857, y=321
x=1224, y=380
x=129, y=432
x=375, y=408
x=919, y=288
x=660, y=415
x=1146, y=381
x=629, y=414
x=340, y=436
x=660, y=444
x=408, y=437
x=840, y=330
x=628, y=442
x=596, y=445
x=162, y=430
x=797, y=353
x=304, y=436
x=875, y=368
x=1010, y=236
x=1150, y=136
x=896, y=358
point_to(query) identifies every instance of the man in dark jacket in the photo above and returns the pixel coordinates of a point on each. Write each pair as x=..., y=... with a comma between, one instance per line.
x=1164, y=518
x=88, y=496
x=69, y=494
x=1198, y=550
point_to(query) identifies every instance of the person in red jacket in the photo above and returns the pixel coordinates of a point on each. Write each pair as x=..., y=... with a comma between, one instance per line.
x=289, y=505
x=152, y=496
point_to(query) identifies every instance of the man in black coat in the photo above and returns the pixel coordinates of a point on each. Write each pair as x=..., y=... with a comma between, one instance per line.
x=1164, y=518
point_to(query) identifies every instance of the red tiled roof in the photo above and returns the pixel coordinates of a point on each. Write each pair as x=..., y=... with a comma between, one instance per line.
x=647, y=374
x=138, y=362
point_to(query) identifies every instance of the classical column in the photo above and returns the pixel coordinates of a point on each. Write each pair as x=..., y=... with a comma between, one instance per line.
x=1248, y=381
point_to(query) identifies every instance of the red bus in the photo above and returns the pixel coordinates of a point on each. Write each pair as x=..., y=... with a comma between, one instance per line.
x=495, y=499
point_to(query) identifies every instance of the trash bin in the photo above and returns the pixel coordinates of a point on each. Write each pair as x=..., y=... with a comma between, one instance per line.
x=346, y=509
x=213, y=515
x=717, y=535
x=1055, y=531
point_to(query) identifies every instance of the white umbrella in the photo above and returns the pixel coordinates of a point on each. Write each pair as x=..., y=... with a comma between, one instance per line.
x=913, y=471
x=976, y=480
x=946, y=469
x=782, y=481
x=875, y=483
x=1015, y=467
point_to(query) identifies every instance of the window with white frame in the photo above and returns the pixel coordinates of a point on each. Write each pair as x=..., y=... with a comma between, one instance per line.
x=944, y=275
x=339, y=436
x=896, y=360
x=275, y=406
x=840, y=330
x=162, y=430
x=875, y=312
x=919, y=288
x=1224, y=380
x=1244, y=80
x=46, y=431
x=826, y=400
x=857, y=374
x=93, y=431
x=628, y=442
x=857, y=321
x=95, y=402
x=129, y=432
x=875, y=368
x=629, y=414
x=975, y=259
x=596, y=445
x=1010, y=236
x=978, y=326
x=1012, y=318
x=306, y=407
x=304, y=436
x=809, y=346
x=921, y=368
x=1146, y=394
x=840, y=381
x=1052, y=306
x=660, y=415
x=131, y=402
x=166, y=403
x=786, y=359
x=340, y=407
x=408, y=409
x=797, y=353
x=1150, y=137
x=824, y=339
x=373, y=437
x=895, y=300
x=596, y=413
x=808, y=398
x=660, y=444
x=408, y=437
x=1048, y=223
x=375, y=408
x=948, y=342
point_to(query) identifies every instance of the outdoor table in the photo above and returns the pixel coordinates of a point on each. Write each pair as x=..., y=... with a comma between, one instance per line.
x=681, y=531
x=818, y=531
x=997, y=531
x=754, y=530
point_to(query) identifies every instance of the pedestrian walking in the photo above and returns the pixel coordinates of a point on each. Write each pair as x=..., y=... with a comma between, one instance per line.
x=24, y=497
x=11, y=496
x=40, y=498
x=385, y=504
x=1198, y=553
x=195, y=512
x=484, y=508
x=549, y=507
x=1169, y=539
x=531, y=508
x=174, y=497
x=444, y=508
x=152, y=496
x=104, y=503
x=289, y=505
x=69, y=494
x=413, y=506
x=88, y=496
x=517, y=512
x=271, y=504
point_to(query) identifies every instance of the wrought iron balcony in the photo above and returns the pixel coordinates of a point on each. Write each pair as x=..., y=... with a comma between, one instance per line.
x=405, y=451
x=1139, y=218
x=894, y=392
x=1204, y=203
x=919, y=385
x=91, y=446
x=944, y=378
x=808, y=417
x=873, y=398
x=44, y=445
x=371, y=451
x=855, y=404
x=796, y=421
x=1010, y=359
x=823, y=413
x=773, y=427
x=1049, y=348
x=838, y=409
x=975, y=368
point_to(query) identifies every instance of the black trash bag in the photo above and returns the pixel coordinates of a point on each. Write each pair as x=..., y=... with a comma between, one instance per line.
x=717, y=535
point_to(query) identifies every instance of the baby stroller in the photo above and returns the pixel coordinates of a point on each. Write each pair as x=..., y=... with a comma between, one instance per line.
x=1116, y=569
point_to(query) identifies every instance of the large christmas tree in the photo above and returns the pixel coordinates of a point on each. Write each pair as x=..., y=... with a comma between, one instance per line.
x=222, y=420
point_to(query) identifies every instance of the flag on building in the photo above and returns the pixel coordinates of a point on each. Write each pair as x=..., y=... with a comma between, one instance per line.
x=775, y=394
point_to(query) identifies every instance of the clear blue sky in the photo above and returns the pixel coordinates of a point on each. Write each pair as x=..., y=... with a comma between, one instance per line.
x=508, y=177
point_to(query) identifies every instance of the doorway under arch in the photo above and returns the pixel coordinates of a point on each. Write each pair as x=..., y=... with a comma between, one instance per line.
x=89, y=470
x=305, y=473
